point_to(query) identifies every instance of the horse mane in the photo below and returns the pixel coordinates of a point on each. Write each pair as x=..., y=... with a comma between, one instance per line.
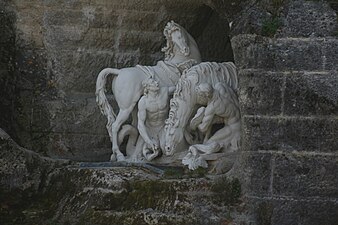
x=216, y=72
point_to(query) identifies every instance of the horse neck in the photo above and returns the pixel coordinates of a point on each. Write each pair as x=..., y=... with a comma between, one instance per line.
x=185, y=102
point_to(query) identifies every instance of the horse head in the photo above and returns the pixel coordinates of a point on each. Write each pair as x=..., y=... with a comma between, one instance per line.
x=173, y=129
x=179, y=42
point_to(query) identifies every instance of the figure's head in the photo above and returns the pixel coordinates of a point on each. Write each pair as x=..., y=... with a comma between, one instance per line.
x=150, y=85
x=175, y=35
x=204, y=93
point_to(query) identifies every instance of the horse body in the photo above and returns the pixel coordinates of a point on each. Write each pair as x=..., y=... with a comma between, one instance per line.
x=181, y=53
x=184, y=103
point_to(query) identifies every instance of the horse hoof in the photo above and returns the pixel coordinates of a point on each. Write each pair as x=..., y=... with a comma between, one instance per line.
x=112, y=158
x=120, y=157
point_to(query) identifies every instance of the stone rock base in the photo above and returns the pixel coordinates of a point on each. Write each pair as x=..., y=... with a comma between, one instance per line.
x=37, y=190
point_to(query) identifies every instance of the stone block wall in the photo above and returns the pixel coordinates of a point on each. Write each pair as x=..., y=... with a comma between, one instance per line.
x=289, y=100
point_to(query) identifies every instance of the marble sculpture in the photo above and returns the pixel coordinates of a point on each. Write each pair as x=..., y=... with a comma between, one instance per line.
x=182, y=110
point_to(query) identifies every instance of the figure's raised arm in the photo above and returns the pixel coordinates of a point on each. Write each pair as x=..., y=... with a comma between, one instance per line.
x=207, y=119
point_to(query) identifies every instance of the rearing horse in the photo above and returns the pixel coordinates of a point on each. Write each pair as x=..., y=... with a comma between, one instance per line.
x=184, y=102
x=181, y=52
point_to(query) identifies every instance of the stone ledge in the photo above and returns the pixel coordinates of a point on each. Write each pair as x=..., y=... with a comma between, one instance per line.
x=40, y=190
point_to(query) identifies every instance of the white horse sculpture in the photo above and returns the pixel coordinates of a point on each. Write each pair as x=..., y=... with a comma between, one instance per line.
x=184, y=102
x=181, y=52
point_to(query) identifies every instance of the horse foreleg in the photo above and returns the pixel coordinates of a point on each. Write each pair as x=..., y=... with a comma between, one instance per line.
x=120, y=119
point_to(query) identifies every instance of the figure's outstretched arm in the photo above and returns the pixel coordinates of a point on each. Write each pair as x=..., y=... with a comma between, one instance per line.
x=198, y=118
x=142, y=115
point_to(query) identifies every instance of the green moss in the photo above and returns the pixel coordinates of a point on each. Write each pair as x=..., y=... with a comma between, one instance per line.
x=149, y=194
x=277, y=5
x=270, y=26
x=173, y=173
x=178, y=173
x=198, y=173
x=228, y=191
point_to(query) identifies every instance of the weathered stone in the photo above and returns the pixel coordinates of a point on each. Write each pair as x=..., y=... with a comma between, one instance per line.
x=90, y=17
x=76, y=114
x=311, y=94
x=256, y=91
x=256, y=169
x=287, y=211
x=144, y=21
x=330, y=56
x=290, y=134
x=21, y=169
x=32, y=66
x=37, y=190
x=144, y=42
x=253, y=52
x=306, y=176
x=8, y=87
x=256, y=52
x=79, y=147
x=76, y=71
x=29, y=36
x=298, y=54
x=132, y=195
x=309, y=19
x=80, y=37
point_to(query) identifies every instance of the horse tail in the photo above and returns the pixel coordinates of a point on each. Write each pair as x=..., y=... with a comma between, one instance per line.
x=132, y=132
x=101, y=99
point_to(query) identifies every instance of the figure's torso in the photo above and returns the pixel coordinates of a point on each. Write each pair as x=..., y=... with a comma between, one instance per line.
x=157, y=108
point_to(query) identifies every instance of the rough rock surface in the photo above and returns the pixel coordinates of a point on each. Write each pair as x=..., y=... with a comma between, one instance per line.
x=7, y=62
x=39, y=190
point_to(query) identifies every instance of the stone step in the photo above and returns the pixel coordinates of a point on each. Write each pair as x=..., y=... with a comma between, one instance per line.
x=129, y=195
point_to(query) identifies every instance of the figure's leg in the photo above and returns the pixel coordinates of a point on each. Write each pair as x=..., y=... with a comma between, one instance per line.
x=228, y=136
x=137, y=154
x=221, y=135
x=205, y=148
x=120, y=119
